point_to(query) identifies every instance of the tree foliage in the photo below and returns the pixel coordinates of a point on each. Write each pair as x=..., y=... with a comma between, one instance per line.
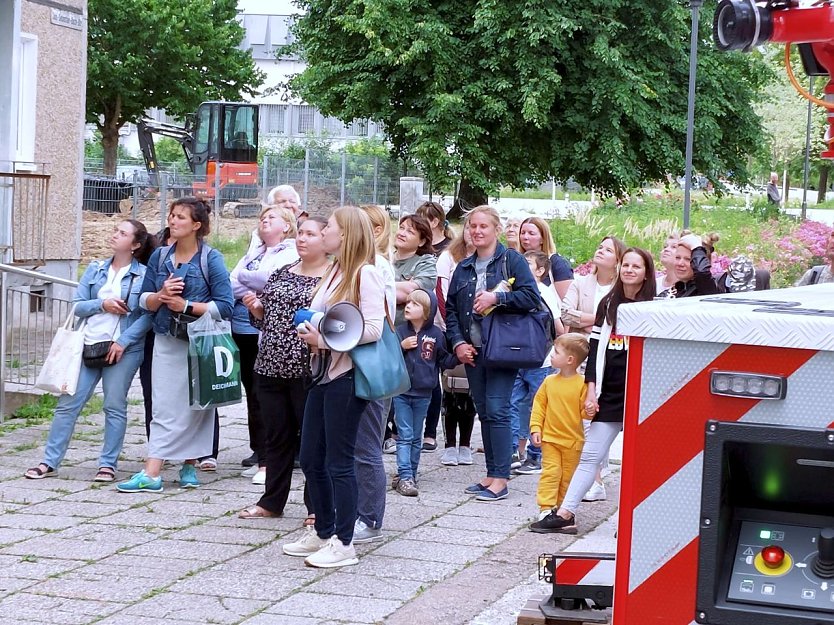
x=784, y=116
x=512, y=92
x=143, y=54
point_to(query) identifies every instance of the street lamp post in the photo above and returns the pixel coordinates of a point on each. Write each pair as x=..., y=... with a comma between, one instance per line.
x=807, y=153
x=695, y=6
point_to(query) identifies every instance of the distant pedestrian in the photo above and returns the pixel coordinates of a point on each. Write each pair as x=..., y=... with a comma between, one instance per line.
x=774, y=195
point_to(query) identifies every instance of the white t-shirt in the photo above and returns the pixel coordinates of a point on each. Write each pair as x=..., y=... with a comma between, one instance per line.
x=445, y=268
x=104, y=326
x=383, y=265
x=551, y=298
x=601, y=291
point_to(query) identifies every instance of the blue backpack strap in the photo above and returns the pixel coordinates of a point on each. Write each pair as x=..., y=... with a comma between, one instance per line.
x=164, y=253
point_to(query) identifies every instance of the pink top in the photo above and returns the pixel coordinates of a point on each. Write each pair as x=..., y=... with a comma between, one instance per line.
x=372, y=305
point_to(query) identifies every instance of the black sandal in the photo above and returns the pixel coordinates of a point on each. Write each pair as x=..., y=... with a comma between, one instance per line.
x=105, y=474
x=36, y=473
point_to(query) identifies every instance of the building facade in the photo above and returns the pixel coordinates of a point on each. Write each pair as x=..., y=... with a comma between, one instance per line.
x=43, y=53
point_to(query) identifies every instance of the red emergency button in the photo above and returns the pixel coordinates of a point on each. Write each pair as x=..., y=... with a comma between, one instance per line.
x=773, y=556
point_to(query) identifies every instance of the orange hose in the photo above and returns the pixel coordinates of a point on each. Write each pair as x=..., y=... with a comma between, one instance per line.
x=805, y=94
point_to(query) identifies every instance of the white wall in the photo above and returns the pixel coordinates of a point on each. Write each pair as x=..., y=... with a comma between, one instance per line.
x=268, y=7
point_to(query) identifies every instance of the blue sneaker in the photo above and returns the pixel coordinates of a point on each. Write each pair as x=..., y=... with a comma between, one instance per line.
x=141, y=483
x=188, y=476
x=475, y=489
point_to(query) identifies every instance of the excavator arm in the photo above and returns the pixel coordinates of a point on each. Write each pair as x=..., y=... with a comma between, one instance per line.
x=146, y=128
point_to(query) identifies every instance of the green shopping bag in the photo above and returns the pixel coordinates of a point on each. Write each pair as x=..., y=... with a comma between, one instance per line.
x=213, y=364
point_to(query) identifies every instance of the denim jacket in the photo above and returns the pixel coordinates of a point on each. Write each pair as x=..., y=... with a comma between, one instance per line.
x=133, y=326
x=524, y=295
x=218, y=289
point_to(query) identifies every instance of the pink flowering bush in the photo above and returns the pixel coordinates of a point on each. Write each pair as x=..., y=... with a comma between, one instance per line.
x=783, y=246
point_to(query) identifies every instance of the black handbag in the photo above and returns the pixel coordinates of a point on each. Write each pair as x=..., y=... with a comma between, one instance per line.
x=178, y=325
x=517, y=339
x=95, y=355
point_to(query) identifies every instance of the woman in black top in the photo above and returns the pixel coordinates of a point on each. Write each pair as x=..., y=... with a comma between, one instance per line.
x=605, y=374
x=693, y=266
x=281, y=363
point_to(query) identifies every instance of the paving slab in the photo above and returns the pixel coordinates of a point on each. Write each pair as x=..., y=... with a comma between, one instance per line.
x=196, y=608
x=60, y=611
x=346, y=582
x=69, y=548
x=366, y=610
x=188, y=550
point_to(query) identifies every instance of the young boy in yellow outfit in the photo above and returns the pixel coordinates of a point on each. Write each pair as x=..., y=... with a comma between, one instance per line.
x=556, y=421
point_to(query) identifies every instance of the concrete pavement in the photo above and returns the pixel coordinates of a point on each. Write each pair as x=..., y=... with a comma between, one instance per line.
x=75, y=553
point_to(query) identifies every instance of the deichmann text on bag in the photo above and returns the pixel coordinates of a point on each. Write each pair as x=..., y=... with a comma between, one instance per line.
x=213, y=364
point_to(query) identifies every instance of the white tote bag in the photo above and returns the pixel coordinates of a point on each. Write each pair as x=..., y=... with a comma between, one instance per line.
x=60, y=370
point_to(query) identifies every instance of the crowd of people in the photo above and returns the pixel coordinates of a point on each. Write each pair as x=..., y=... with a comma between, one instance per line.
x=436, y=288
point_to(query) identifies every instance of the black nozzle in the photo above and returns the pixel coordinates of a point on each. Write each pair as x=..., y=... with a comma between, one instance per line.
x=741, y=24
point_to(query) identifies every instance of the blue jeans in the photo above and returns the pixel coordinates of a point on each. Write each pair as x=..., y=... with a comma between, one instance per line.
x=328, y=443
x=116, y=381
x=491, y=390
x=527, y=382
x=410, y=414
x=370, y=470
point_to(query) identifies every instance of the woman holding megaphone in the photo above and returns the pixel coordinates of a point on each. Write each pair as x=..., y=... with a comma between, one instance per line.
x=331, y=416
x=280, y=365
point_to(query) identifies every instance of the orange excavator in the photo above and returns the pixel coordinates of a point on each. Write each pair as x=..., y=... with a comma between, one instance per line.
x=220, y=137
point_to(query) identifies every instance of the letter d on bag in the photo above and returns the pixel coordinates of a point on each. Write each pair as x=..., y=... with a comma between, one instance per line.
x=223, y=361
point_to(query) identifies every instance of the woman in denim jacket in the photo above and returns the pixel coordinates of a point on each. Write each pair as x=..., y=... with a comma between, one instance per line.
x=470, y=294
x=107, y=299
x=188, y=277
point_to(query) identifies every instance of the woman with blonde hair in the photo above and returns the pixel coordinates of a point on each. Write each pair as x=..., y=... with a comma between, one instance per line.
x=276, y=232
x=535, y=236
x=579, y=310
x=370, y=469
x=332, y=412
x=471, y=296
x=585, y=293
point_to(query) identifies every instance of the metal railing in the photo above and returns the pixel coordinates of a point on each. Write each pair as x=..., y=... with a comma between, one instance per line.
x=30, y=313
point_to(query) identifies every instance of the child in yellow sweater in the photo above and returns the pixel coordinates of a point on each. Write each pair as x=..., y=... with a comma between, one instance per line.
x=556, y=421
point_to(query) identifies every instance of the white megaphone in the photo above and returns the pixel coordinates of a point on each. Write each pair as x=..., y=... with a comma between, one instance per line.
x=341, y=325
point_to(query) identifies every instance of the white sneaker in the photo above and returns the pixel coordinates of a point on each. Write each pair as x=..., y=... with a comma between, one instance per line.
x=450, y=457
x=332, y=555
x=250, y=472
x=464, y=455
x=308, y=544
x=595, y=493
x=363, y=534
x=260, y=477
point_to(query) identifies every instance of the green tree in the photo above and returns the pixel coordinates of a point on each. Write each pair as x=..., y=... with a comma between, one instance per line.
x=784, y=115
x=169, y=150
x=155, y=53
x=513, y=92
